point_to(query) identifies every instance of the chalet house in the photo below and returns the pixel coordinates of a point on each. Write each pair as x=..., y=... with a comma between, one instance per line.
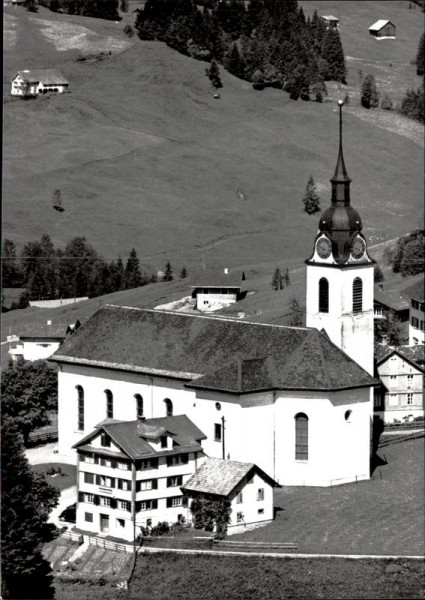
x=129, y=474
x=401, y=371
x=330, y=22
x=40, y=341
x=382, y=29
x=388, y=300
x=288, y=388
x=215, y=289
x=30, y=83
x=415, y=295
x=248, y=488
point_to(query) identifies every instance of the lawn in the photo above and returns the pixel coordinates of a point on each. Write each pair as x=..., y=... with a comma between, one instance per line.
x=382, y=516
x=59, y=475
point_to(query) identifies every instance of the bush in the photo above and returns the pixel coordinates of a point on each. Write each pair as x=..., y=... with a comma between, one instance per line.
x=129, y=31
x=386, y=103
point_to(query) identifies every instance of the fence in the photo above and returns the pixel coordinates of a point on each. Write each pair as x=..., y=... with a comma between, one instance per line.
x=47, y=436
x=256, y=545
x=109, y=545
x=74, y=537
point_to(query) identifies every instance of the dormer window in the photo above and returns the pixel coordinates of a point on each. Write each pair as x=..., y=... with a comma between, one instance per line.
x=105, y=440
x=164, y=441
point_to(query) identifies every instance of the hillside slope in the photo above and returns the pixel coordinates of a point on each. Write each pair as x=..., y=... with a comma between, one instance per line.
x=145, y=157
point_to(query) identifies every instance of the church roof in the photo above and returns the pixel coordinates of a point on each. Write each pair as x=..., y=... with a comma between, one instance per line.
x=132, y=436
x=208, y=349
x=220, y=477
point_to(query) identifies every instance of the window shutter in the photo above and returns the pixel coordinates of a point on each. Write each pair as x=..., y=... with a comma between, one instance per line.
x=154, y=484
x=113, y=503
x=96, y=460
x=138, y=505
x=98, y=480
x=96, y=500
x=169, y=461
x=185, y=459
x=169, y=502
x=80, y=496
x=179, y=480
x=184, y=501
x=113, y=463
x=154, y=503
x=128, y=466
x=82, y=458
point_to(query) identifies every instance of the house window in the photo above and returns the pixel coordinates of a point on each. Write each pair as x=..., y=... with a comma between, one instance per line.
x=106, y=462
x=415, y=304
x=393, y=400
x=90, y=498
x=109, y=404
x=176, y=501
x=301, y=437
x=105, y=481
x=105, y=501
x=105, y=441
x=239, y=517
x=124, y=465
x=146, y=505
x=377, y=399
x=393, y=380
x=88, y=478
x=174, y=481
x=88, y=458
x=164, y=441
x=217, y=432
x=139, y=406
x=409, y=380
x=239, y=498
x=415, y=322
x=88, y=517
x=177, y=459
x=260, y=494
x=80, y=393
x=120, y=523
x=147, y=484
x=124, y=505
x=357, y=295
x=150, y=463
x=347, y=415
x=218, y=405
x=323, y=295
x=261, y=511
x=409, y=398
x=124, y=484
x=168, y=407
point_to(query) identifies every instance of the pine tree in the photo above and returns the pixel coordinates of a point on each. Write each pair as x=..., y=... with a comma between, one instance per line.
x=183, y=273
x=233, y=62
x=132, y=274
x=27, y=500
x=11, y=275
x=213, y=74
x=311, y=198
x=277, y=280
x=296, y=313
x=369, y=93
x=124, y=6
x=168, y=272
x=333, y=55
x=420, y=57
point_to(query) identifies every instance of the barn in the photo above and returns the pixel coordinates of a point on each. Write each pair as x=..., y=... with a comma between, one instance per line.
x=382, y=29
x=38, y=81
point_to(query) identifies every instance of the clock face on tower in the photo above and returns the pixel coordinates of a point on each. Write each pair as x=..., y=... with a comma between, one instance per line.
x=323, y=247
x=358, y=248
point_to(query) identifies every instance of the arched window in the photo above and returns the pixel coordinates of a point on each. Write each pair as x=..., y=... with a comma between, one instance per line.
x=139, y=406
x=357, y=295
x=168, y=407
x=323, y=295
x=301, y=437
x=80, y=423
x=109, y=404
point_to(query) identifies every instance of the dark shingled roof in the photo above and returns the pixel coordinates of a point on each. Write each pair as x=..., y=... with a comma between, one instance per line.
x=413, y=354
x=207, y=349
x=132, y=436
x=43, y=330
x=415, y=291
x=216, y=278
x=46, y=76
x=220, y=477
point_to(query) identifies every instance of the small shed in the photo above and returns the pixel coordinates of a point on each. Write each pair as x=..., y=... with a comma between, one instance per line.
x=330, y=21
x=382, y=29
x=34, y=82
x=214, y=289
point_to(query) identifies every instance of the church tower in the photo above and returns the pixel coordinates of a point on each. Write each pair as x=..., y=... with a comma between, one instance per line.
x=340, y=273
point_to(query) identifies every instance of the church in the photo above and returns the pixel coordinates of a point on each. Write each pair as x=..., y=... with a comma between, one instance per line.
x=296, y=401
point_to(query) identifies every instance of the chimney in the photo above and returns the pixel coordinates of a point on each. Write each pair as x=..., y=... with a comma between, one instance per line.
x=49, y=322
x=226, y=271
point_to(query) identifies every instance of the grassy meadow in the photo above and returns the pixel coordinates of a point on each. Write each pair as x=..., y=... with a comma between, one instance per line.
x=145, y=157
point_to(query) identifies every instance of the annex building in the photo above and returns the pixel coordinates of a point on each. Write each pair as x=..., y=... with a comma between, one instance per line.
x=295, y=401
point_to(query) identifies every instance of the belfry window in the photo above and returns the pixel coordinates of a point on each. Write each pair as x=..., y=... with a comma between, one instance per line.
x=301, y=437
x=323, y=295
x=109, y=404
x=80, y=393
x=357, y=295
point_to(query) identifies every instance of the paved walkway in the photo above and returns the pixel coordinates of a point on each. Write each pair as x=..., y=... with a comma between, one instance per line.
x=68, y=496
x=47, y=453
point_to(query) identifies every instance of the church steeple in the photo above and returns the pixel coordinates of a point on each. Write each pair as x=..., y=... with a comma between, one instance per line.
x=340, y=180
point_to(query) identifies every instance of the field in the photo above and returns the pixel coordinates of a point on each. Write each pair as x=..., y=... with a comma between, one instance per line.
x=64, y=476
x=145, y=156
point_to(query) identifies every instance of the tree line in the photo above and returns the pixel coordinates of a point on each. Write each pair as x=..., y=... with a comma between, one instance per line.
x=408, y=255
x=265, y=42
x=49, y=273
x=100, y=9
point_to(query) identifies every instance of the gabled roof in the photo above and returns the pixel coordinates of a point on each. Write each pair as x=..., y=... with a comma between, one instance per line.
x=43, y=330
x=415, y=355
x=329, y=18
x=188, y=347
x=415, y=291
x=211, y=278
x=379, y=24
x=220, y=477
x=131, y=436
x=46, y=76
x=391, y=298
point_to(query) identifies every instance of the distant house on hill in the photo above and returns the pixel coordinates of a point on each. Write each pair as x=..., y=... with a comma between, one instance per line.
x=415, y=294
x=330, y=21
x=390, y=300
x=214, y=289
x=39, y=341
x=382, y=29
x=33, y=82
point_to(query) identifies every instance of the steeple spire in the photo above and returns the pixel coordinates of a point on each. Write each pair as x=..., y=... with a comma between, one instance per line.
x=340, y=180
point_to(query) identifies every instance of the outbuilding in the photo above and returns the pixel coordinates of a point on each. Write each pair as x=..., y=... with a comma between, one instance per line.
x=30, y=83
x=382, y=29
x=330, y=21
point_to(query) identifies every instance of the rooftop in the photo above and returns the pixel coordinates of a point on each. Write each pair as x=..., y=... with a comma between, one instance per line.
x=379, y=24
x=220, y=477
x=415, y=291
x=216, y=278
x=47, y=76
x=220, y=354
x=45, y=330
x=413, y=354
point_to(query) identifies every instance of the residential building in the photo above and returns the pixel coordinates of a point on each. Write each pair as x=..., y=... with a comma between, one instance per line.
x=33, y=82
x=415, y=294
x=383, y=29
x=129, y=474
x=248, y=489
x=215, y=289
x=330, y=21
x=389, y=299
x=401, y=371
x=39, y=341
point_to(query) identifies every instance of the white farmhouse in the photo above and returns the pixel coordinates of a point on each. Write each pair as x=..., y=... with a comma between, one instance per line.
x=215, y=289
x=38, y=81
x=296, y=401
x=416, y=295
x=39, y=341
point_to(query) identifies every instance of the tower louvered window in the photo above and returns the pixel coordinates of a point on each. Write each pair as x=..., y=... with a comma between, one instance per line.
x=323, y=295
x=80, y=393
x=357, y=295
x=301, y=437
x=109, y=404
